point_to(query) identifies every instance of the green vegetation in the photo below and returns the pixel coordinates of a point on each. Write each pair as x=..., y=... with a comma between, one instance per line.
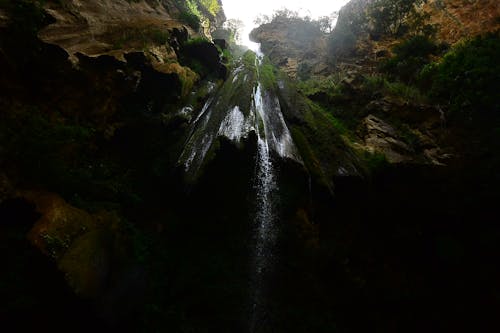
x=330, y=86
x=193, y=12
x=468, y=76
x=375, y=84
x=197, y=41
x=267, y=74
x=391, y=16
x=191, y=19
x=373, y=161
x=410, y=56
x=212, y=6
x=249, y=59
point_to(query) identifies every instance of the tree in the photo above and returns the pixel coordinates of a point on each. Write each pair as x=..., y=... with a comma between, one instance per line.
x=327, y=23
x=389, y=16
x=235, y=28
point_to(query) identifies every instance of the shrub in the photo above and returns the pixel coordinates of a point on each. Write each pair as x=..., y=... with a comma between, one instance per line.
x=190, y=19
x=267, y=74
x=389, y=16
x=212, y=6
x=468, y=76
x=379, y=84
x=410, y=57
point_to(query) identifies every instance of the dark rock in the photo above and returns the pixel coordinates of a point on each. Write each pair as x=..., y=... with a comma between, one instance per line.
x=382, y=54
x=178, y=37
x=221, y=43
x=206, y=54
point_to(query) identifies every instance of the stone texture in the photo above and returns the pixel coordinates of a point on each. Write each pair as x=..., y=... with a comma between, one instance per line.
x=383, y=138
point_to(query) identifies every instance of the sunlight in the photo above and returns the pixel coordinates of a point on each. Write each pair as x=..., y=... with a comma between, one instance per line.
x=247, y=11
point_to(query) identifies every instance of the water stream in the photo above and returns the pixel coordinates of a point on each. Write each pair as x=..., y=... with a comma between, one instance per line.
x=235, y=112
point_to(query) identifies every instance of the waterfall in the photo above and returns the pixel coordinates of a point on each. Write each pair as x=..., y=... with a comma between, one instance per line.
x=272, y=136
x=240, y=107
x=265, y=218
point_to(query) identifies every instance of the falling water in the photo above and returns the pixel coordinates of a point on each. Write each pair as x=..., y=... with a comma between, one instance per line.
x=225, y=115
x=273, y=136
x=265, y=236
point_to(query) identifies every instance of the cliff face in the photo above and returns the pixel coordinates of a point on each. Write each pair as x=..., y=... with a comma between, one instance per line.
x=89, y=101
x=95, y=27
x=106, y=105
x=117, y=27
x=458, y=19
x=291, y=43
x=432, y=142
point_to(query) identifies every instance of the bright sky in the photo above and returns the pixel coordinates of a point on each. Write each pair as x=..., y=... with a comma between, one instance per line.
x=248, y=10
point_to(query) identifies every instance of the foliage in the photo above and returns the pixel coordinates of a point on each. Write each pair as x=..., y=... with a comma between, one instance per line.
x=389, y=16
x=324, y=24
x=327, y=23
x=249, y=58
x=374, y=161
x=190, y=19
x=283, y=14
x=197, y=41
x=468, y=76
x=194, y=11
x=329, y=86
x=267, y=74
x=375, y=84
x=212, y=6
x=410, y=56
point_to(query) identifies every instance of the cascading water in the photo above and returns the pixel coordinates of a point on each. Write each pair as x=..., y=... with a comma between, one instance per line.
x=242, y=106
x=265, y=218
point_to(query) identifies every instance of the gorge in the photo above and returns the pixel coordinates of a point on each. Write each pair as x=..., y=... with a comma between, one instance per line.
x=156, y=176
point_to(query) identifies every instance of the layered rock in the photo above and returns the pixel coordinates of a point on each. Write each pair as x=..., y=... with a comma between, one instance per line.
x=291, y=43
x=458, y=19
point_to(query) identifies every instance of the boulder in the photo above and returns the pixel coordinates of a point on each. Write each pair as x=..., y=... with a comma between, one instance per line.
x=82, y=244
x=383, y=138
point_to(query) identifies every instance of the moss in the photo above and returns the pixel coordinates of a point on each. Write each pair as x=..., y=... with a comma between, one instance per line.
x=268, y=74
x=187, y=76
x=248, y=59
x=311, y=162
x=374, y=161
